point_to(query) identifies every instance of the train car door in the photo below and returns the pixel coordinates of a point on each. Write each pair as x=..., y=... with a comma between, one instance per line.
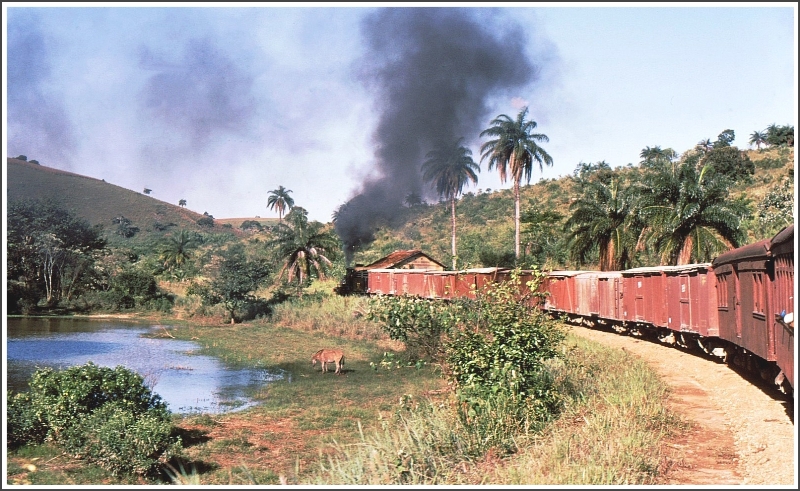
x=685, y=302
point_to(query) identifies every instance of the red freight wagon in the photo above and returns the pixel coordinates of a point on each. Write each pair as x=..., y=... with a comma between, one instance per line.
x=645, y=296
x=381, y=281
x=743, y=293
x=691, y=299
x=782, y=249
x=598, y=295
x=609, y=294
x=414, y=282
x=562, y=295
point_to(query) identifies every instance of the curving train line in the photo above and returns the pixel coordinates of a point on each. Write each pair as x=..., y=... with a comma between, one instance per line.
x=739, y=307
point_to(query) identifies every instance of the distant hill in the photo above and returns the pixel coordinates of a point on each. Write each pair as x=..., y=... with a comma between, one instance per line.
x=100, y=202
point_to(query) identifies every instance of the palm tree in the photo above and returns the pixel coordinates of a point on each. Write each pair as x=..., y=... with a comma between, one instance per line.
x=279, y=199
x=182, y=203
x=603, y=219
x=177, y=250
x=689, y=215
x=303, y=245
x=758, y=138
x=450, y=167
x=513, y=151
x=704, y=145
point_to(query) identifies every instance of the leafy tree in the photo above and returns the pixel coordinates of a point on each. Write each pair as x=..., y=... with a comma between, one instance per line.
x=248, y=224
x=724, y=139
x=125, y=227
x=542, y=226
x=182, y=203
x=450, y=167
x=50, y=251
x=603, y=220
x=233, y=282
x=776, y=209
x=758, y=138
x=280, y=200
x=513, y=150
x=729, y=162
x=689, y=214
x=303, y=246
x=147, y=191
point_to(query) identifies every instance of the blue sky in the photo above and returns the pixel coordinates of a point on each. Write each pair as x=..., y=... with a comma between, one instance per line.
x=218, y=105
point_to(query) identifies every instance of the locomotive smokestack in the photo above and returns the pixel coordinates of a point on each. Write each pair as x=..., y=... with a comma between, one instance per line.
x=432, y=72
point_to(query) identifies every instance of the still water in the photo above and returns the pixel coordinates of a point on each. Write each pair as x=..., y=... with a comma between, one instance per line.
x=187, y=382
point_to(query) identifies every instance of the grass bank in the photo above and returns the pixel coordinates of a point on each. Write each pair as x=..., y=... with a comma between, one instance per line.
x=382, y=422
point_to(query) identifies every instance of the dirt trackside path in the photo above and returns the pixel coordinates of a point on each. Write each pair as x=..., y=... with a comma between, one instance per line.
x=743, y=434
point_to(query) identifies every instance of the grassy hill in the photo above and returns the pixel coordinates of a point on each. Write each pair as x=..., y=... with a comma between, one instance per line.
x=100, y=202
x=485, y=220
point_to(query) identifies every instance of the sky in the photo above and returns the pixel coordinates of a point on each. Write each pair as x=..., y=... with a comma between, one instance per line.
x=220, y=103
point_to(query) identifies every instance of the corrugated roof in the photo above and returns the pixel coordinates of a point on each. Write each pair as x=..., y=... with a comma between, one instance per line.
x=397, y=257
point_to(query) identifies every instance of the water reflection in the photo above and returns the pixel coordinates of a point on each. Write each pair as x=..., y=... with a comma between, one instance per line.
x=186, y=381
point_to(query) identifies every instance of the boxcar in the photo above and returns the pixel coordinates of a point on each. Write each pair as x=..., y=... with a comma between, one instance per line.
x=782, y=250
x=691, y=299
x=562, y=295
x=645, y=297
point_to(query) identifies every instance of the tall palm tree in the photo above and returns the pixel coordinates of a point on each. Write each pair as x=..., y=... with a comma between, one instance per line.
x=303, y=246
x=758, y=138
x=450, y=167
x=177, y=250
x=513, y=151
x=603, y=219
x=280, y=200
x=704, y=145
x=689, y=215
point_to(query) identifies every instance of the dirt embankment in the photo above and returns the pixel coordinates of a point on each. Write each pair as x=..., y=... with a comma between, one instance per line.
x=743, y=432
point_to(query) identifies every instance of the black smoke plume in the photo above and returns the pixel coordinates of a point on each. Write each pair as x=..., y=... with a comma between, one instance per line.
x=433, y=73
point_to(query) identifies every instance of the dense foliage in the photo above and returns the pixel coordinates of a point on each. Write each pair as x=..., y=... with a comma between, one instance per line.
x=494, y=348
x=104, y=415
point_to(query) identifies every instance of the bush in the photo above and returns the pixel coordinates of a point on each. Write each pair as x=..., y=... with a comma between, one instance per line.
x=105, y=415
x=205, y=221
x=121, y=441
x=501, y=360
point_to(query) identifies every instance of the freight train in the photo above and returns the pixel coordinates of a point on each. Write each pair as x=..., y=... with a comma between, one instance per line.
x=739, y=307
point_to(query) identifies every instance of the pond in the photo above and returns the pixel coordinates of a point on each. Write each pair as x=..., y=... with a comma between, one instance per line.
x=186, y=381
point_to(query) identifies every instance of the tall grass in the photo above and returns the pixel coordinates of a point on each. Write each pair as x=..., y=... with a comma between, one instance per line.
x=334, y=315
x=609, y=432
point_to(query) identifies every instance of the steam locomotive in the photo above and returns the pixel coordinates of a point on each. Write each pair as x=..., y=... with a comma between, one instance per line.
x=739, y=307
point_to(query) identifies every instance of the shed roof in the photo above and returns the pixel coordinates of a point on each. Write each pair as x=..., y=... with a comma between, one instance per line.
x=397, y=257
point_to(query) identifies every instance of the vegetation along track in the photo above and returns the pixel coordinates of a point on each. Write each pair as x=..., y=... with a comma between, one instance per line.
x=742, y=432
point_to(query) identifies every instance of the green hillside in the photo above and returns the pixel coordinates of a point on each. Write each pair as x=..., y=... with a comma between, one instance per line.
x=99, y=202
x=485, y=220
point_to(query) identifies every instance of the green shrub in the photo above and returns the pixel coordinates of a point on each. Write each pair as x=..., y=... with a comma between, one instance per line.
x=419, y=323
x=121, y=441
x=105, y=415
x=499, y=364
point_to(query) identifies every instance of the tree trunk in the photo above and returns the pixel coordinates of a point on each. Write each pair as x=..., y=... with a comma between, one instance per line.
x=516, y=218
x=453, y=222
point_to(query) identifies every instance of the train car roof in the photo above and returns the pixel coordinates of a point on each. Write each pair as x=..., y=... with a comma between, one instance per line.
x=568, y=272
x=681, y=268
x=783, y=242
x=757, y=250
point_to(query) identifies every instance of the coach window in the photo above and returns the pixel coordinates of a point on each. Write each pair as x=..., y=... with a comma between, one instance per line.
x=758, y=293
x=722, y=292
